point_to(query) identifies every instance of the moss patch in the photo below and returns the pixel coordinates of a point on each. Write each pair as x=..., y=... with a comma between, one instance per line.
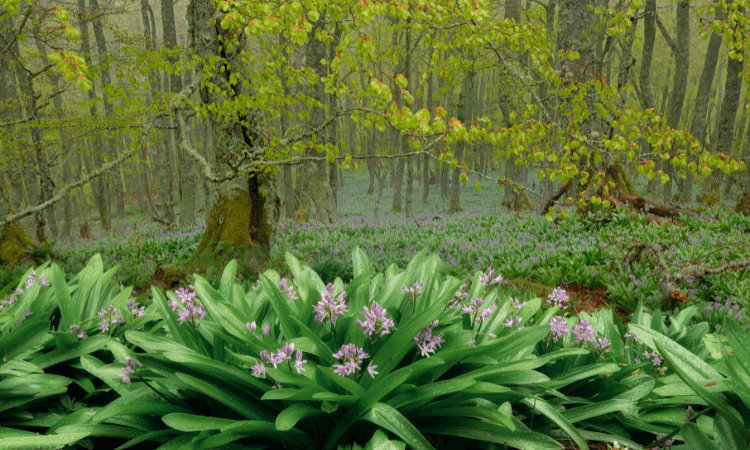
x=16, y=246
x=743, y=205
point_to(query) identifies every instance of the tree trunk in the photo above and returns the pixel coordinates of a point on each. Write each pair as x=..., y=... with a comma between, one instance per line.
x=679, y=86
x=700, y=110
x=109, y=110
x=320, y=187
x=727, y=118
x=239, y=215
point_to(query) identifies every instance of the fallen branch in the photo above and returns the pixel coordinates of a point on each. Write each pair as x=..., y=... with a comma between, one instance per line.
x=637, y=250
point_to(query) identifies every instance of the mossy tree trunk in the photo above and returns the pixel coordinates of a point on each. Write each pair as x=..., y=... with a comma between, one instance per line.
x=239, y=215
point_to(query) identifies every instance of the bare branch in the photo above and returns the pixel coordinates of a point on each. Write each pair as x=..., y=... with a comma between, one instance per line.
x=672, y=44
x=10, y=218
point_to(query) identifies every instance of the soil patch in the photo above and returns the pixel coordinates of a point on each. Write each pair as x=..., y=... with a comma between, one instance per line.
x=591, y=300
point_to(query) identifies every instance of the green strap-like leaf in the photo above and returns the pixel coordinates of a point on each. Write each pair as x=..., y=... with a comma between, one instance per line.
x=288, y=418
x=490, y=432
x=283, y=311
x=389, y=418
x=50, y=442
x=191, y=422
x=695, y=438
x=561, y=421
x=231, y=398
x=682, y=369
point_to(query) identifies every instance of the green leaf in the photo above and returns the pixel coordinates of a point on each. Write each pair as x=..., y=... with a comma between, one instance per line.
x=62, y=296
x=561, y=421
x=288, y=418
x=580, y=413
x=157, y=408
x=231, y=398
x=683, y=370
x=580, y=373
x=695, y=438
x=501, y=416
x=490, y=432
x=430, y=391
x=191, y=422
x=219, y=371
x=389, y=418
x=36, y=442
x=83, y=347
x=280, y=305
x=227, y=279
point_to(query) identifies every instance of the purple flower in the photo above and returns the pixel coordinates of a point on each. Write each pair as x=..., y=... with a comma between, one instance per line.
x=134, y=309
x=287, y=290
x=79, y=331
x=351, y=357
x=371, y=369
x=667, y=443
x=259, y=369
x=375, y=320
x=559, y=297
x=603, y=344
x=584, y=332
x=414, y=290
x=299, y=363
x=110, y=317
x=486, y=278
x=426, y=342
x=128, y=369
x=328, y=306
x=558, y=328
x=31, y=280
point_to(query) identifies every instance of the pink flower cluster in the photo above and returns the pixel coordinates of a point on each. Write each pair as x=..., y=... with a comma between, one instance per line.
x=376, y=320
x=352, y=357
x=328, y=306
x=283, y=355
x=427, y=342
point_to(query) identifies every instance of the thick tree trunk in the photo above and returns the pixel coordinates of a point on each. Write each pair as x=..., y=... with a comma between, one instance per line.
x=239, y=215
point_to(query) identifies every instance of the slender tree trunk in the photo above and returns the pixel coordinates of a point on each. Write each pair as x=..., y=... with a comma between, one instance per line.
x=700, y=110
x=682, y=68
x=117, y=186
x=725, y=128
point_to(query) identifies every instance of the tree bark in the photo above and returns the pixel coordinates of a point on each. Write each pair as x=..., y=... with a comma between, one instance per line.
x=239, y=215
x=700, y=110
x=679, y=85
x=186, y=173
x=98, y=186
x=109, y=111
x=727, y=118
x=320, y=188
